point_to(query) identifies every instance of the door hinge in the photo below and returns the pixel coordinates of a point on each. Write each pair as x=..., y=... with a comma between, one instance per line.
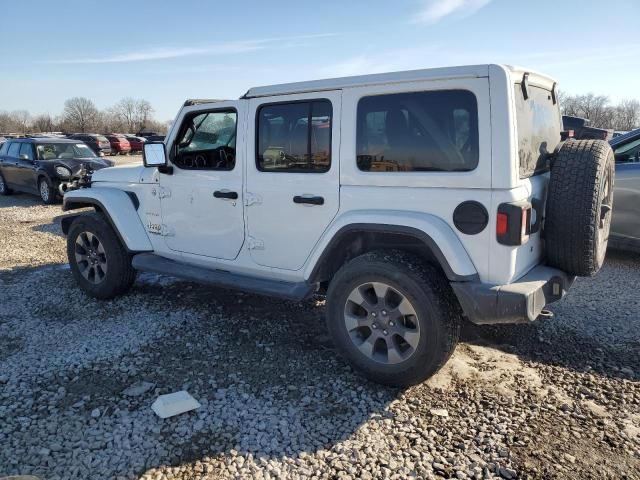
x=251, y=198
x=164, y=192
x=255, y=244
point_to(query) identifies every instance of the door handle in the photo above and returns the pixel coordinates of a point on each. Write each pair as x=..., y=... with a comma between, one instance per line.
x=308, y=200
x=224, y=194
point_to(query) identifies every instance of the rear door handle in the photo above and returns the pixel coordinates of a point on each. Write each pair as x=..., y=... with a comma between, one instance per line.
x=308, y=200
x=225, y=194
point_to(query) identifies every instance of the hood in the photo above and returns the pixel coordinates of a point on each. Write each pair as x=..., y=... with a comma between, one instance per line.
x=123, y=174
x=74, y=164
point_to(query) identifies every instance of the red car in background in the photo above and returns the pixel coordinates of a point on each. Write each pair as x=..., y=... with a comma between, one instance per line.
x=119, y=144
x=135, y=142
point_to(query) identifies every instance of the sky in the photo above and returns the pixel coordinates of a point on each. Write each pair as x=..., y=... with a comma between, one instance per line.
x=166, y=52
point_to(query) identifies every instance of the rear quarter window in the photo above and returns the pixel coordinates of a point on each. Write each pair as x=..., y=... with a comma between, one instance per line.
x=539, y=126
x=418, y=132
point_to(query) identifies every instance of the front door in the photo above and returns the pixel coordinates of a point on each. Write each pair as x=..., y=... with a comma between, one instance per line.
x=10, y=164
x=202, y=211
x=26, y=169
x=293, y=184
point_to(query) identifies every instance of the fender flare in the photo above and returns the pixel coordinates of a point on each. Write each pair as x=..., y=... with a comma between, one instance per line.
x=119, y=207
x=432, y=231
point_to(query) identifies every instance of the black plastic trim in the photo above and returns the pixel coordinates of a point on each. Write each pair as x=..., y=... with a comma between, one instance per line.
x=391, y=229
x=81, y=202
x=150, y=262
x=525, y=86
x=471, y=217
x=134, y=199
x=519, y=302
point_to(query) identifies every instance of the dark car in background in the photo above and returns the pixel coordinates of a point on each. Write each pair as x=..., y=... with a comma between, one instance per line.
x=155, y=138
x=625, y=222
x=97, y=143
x=583, y=131
x=136, y=143
x=46, y=166
x=119, y=144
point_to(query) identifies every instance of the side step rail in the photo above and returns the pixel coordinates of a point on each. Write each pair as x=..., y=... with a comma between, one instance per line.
x=149, y=262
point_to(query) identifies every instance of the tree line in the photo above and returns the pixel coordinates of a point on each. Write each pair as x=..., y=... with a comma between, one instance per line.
x=80, y=114
x=625, y=115
x=132, y=115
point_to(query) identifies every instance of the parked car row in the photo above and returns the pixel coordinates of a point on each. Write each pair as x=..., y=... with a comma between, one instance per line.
x=47, y=166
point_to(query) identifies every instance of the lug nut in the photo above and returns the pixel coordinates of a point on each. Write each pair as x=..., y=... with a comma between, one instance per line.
x=373, y=314
x=384, y=313
x=374, y=326
x=385, y=332
x=391, y=323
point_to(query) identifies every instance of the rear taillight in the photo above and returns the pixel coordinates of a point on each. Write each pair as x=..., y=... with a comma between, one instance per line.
x=513, y=223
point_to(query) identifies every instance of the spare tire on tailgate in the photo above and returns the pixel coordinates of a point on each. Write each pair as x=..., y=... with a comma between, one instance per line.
x=578, y=211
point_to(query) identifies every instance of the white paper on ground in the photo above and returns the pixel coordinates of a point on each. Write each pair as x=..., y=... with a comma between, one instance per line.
x=174, y=404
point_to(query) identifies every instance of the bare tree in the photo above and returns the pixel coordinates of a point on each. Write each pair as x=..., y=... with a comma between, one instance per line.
x=80, y=114
x=21, y=119
x=627, y=115
x=42, y=123
x=144, y=110
x=133, y=114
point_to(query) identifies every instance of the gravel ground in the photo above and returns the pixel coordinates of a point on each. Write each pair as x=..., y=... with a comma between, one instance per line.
x=556, y=399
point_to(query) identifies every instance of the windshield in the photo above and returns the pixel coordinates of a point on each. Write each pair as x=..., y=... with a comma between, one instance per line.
x=539, y=127
x=49, y=151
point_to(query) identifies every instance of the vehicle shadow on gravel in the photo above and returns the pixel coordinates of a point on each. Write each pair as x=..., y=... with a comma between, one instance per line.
x=19, y=200
x=594, y=329
x=53, y=228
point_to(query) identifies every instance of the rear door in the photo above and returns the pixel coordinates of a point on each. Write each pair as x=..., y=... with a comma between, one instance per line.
x=292, y=189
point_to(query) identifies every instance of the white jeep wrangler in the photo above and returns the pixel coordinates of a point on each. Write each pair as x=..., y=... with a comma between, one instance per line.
x=412, y=199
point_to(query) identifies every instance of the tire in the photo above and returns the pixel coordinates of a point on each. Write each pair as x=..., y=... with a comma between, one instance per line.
x=113, y=274
x=578, y=211
x=47, y=191
x=430, y=319
x=4, y=189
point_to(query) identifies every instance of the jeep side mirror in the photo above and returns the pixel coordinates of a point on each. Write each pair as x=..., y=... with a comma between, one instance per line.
x=153, y=155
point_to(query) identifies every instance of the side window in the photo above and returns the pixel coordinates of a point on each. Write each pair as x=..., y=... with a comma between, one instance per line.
x=14, y=148
x=294, y=137
x=4, y=148
x=629, y=152
x=27, y=149
x=418, y=132
x=207, y=141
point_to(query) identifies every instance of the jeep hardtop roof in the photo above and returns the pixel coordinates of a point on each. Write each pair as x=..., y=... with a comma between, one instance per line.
x=470, y=71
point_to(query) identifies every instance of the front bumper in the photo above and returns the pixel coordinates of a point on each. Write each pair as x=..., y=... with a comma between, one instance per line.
x=519, y=302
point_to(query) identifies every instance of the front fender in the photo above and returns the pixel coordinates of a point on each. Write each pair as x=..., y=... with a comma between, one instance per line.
x=432, y=230
x=120, y=209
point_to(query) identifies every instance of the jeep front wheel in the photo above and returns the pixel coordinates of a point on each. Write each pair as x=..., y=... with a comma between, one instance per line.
x=99, y=262
x=393, y=317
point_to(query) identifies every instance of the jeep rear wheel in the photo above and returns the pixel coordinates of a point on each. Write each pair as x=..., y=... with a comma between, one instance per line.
x=578, y=212
x=393, y=317
x=99, y=262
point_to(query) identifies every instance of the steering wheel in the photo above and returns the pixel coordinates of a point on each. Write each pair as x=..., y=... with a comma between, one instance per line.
x=226, y=156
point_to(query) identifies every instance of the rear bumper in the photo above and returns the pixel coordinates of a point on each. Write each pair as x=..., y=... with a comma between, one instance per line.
x=518, y=302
